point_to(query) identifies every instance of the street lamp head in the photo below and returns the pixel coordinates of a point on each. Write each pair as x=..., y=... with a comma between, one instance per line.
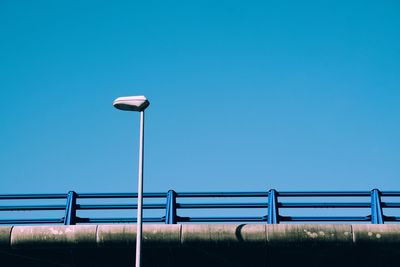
x=131, y=103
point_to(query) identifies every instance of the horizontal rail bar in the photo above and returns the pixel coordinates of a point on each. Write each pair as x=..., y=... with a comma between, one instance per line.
x=117, y=206
x=32, y=196
x=325, y=219
x=390, y=194
x=32, y=207
x=325, y=205
x=222, y=194
x=283, y=218
x=221, y=205
x=120, y=220
x=31, y=221
x=325, y=194
x=202, y=194
x=390, y=205
x=223, y=219
x=120, y=195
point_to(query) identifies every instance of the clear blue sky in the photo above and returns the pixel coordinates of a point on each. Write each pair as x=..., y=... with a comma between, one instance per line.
x=245, y=95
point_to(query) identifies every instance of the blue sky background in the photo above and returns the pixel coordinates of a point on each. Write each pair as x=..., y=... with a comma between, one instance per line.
x=245, y=95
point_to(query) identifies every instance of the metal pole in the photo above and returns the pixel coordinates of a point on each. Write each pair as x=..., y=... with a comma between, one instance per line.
x=140, y=195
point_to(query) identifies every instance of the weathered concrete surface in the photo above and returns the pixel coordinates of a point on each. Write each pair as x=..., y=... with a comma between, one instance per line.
x=381, y=234
x=310, y=234
x=52, y=237
x=5, y=236
x=156, y=235
x=224, y=235
x=203, y=244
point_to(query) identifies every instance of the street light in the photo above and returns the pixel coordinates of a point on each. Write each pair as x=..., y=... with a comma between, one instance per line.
x=137, y=103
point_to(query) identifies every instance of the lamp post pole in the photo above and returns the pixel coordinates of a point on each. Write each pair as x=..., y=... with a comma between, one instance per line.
x=137, y=103
x=139, y=222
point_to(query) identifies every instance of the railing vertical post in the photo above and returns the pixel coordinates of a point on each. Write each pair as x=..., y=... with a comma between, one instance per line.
x=70, y=209
x=273, y=213
x=376, y=207
x=170, y=211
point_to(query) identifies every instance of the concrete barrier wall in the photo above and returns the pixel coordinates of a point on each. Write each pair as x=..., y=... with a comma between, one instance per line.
x=218, y=235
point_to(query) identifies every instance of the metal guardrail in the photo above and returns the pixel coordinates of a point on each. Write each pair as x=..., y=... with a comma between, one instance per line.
x=271, y=202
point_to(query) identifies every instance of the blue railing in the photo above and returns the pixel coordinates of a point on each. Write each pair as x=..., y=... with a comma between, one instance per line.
x=272, y=204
